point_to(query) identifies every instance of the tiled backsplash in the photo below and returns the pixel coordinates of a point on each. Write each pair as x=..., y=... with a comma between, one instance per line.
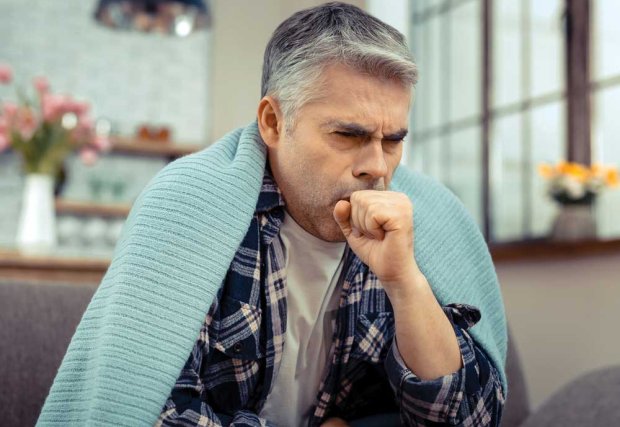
x=11, y=187
x=114, y=179
x=129, y=77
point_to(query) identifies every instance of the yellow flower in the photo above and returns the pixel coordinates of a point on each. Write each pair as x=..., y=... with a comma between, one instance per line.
x=545, y=170
x=562, y=167
x=575, y=170
x=595, y=176
x=597, y=169
x=611, y=177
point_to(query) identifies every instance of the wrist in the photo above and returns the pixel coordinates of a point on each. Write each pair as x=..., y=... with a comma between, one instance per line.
x=407, y=288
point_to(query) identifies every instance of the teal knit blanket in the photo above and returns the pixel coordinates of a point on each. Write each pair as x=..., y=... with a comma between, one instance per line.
x=175, y=250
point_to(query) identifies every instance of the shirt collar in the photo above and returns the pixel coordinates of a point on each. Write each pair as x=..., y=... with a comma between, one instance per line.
x=270, y=196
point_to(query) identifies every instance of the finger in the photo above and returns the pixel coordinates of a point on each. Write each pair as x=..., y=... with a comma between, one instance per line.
x=360, y=214
x=357, y=217
x=342, y=214
x=373, y=226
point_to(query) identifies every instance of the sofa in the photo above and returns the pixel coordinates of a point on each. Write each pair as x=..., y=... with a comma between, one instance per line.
x=37, y=321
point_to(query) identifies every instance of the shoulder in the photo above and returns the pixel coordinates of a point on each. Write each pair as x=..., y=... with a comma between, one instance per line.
x=426, y=192
x=230, y=169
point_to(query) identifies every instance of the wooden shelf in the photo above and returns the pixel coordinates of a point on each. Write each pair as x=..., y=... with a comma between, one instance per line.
x=132, y=146
x=140, y=147
x=71, y=269
x=73, y=207
x=542, y=249
x=76, y=269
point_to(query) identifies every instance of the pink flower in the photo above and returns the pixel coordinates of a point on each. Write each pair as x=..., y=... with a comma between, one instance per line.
x=88, y=156
x=80, y=108
x=4, y=134
x=85, y=122
x=26, y=123
x=102, y=143
x=6, y=74
x=52, y=106
x=70, y=105
x=9, y=111
x=83, y=132
x=42, y=85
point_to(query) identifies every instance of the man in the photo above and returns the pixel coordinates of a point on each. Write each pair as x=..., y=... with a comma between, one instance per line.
x=325, y=312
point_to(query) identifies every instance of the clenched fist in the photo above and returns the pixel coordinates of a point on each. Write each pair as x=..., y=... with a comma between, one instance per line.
x=378, y=226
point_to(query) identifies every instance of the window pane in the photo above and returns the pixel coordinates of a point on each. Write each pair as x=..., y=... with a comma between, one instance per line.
x=419, y=37
x=465, y=60
x=433, y=157
x=607, y=151
x=436, y=74
x=606, y=35
x=466, y=170
x=507, y=52
x=427, y=42
x=417, y=6
x=507, y=179
x=548, y=146
x=546, y=67
x=416, y=156
x=431, y=4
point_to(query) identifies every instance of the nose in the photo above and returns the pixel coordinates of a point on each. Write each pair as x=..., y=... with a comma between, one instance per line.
x=371, y=164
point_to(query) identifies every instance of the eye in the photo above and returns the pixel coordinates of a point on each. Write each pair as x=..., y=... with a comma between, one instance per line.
x=394, y=141
x=345, y=134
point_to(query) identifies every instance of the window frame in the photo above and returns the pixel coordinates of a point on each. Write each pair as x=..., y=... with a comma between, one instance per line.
x=577, y=91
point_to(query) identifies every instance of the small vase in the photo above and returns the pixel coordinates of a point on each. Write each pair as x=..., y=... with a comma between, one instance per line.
x=36, y=232
x=574, y=222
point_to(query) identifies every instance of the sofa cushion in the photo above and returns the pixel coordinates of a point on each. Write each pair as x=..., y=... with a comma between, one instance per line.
x=517, y=406
x=37, y=321
x=590, y=400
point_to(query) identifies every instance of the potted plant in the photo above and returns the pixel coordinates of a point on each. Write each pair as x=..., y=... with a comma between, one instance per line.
x=43, y=130
x=574, y=187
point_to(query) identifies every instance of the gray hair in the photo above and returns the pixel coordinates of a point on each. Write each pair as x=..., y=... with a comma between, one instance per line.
x=305, y=43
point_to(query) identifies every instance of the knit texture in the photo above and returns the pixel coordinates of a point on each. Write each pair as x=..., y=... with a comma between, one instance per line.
x=173, y=255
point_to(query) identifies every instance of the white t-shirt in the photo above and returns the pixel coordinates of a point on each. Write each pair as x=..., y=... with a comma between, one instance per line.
x=313, y=268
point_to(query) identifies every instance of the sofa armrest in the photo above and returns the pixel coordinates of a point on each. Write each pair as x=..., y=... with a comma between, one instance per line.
x=37, y=321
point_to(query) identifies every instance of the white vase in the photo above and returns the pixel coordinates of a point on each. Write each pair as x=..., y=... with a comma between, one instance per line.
x=36, y=232
x=573, y=223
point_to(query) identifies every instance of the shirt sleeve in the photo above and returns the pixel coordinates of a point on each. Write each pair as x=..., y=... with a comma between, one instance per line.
x=471, y=396
x=187, y=407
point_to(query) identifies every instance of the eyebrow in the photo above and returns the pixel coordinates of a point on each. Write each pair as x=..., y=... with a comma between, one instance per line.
x=360, y=131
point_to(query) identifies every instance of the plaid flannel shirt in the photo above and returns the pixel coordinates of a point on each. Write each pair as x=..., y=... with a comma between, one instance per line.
x=236, y=357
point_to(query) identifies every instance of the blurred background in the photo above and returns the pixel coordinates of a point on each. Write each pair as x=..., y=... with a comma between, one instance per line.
x=514, y=112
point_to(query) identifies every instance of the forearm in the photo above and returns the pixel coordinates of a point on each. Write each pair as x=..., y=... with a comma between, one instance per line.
x=424, y=335
x=471, y=396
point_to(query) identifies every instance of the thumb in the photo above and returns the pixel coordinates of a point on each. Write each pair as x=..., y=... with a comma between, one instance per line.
x=342, y=213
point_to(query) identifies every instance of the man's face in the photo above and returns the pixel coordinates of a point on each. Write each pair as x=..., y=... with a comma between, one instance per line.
x=349, y=140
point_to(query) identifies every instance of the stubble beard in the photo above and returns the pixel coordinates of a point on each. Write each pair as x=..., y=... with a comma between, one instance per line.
x=313, y=210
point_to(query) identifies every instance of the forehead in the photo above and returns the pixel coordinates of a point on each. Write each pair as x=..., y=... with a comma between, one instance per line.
x=349, y=96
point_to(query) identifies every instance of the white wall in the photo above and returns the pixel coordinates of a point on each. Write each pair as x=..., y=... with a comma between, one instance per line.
x=564, y=317
x=241, y=31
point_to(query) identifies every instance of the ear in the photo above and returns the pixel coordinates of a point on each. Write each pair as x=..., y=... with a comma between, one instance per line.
x=270, y=121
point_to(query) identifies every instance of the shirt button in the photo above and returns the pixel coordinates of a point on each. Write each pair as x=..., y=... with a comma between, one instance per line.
x=238, y=347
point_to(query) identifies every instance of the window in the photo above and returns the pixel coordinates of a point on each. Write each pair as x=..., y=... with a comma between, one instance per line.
x=504, y=86
x=446, y=126
x=605, y=94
